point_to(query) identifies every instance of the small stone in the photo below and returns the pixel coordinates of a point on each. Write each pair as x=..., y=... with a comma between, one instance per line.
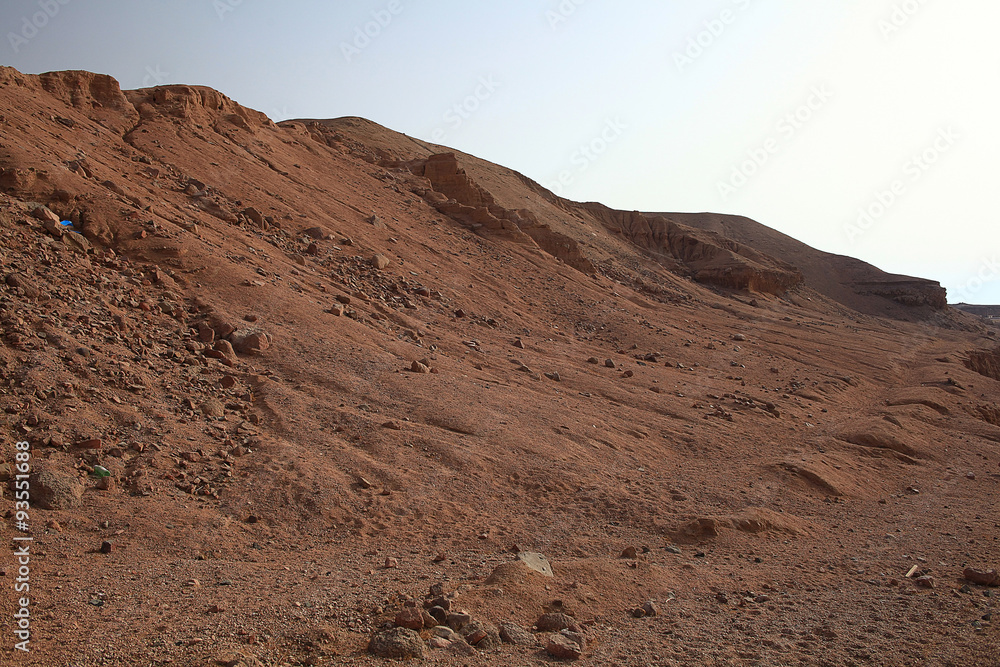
x=45, y=215
x=227, y=381
x=519, y=344
x=739, y=337
x=924, y=581
x=420, y=368
x=554, y=622
x=651, y=608
x=380, y=262
x=638, y=612
x=982, y=577
x=410, y=617
x=318, y=233
x=609, y=363
x=391, y=563
x=344, y=299
x=562, y=647
x=458, y=620
x=206, y=334
x=673, y=549
x=93, y=443
x=55, y=489
x=555, y=377
x=593, y=360
x=215, y=609
x=439, y=614
x=628, y=374
x=398, y=644
x=107, y=547
x=364, y=483
x=213, y=408
x=251, y=342
x=630, y=552
x=438, y=642
x=460, y=313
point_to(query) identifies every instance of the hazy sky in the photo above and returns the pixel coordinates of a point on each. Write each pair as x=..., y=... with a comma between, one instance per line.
x=862, y=127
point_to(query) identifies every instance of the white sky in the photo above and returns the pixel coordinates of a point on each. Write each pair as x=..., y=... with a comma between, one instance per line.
x=904, y=96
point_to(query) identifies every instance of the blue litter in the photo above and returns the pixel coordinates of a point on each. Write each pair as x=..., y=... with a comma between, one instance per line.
x=66, y=223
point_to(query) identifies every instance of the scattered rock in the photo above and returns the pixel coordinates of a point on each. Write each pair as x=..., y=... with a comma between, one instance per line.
x=630, y=552
x=982, y=577
x=565, y=646
x=609, y=363
x=319, y=234
x=555, y=377
x=739, y=338
x=410, y=617
x=55, y=489
x=45, y=215
x=398, y=644
x=593, y=360
x=213, y=408
x=512, y=633
x=418, y=367
x=554, y=622
x=380, y=262
x=107, y=547
x=251, y=342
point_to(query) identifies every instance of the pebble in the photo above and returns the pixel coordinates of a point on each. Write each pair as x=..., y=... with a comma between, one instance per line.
x=107, y=547
x=609, y=363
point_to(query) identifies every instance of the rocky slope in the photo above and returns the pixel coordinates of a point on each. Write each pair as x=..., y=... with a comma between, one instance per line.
x=296, y=392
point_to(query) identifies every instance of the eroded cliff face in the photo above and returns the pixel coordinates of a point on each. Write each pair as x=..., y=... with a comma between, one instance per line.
x=913, y=293
x=455, y=194
x=705, y=256
x=985, y=362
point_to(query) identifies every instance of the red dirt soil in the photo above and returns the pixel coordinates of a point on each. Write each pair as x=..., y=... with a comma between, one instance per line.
x=772, y=437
